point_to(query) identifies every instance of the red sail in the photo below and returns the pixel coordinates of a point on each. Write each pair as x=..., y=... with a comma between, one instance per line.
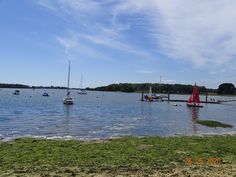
x=195, y=96
x=190, y=100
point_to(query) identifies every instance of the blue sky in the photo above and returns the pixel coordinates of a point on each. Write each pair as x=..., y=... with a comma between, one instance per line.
x=117, y=41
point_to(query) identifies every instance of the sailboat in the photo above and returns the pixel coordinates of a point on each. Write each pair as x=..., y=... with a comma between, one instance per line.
x=150, y=97
x=81, y=90
x=68, y=100
x=194, y=99
x=45, y=94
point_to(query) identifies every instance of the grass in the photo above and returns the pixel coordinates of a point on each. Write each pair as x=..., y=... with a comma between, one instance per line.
x=126, y=156
x=212, y=123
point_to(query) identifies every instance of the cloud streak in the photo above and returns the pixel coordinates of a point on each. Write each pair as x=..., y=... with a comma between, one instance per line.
x=202, y=33
x=198, y=32
x=99, y=26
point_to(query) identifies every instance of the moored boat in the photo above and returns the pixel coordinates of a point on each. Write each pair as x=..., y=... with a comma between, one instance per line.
x=81, y=90
x=194, y=99
x=45, y=94
x=16, y=92
x=68, y=100
x=151, y=97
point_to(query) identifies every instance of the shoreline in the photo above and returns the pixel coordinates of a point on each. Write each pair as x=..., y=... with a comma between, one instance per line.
x=68, y=137
x=128, y=156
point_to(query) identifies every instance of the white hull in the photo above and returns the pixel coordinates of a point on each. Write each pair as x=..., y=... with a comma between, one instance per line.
x=68, y=101
x=82, y=92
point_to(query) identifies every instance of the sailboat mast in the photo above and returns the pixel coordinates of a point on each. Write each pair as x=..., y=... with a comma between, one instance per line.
x=81, y=81
x=68, y=82
x=160, y=85
x=150, y=91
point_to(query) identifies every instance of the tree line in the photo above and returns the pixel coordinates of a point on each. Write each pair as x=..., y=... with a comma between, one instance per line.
x=156, y=88
x=2, y=85
x=225, y=88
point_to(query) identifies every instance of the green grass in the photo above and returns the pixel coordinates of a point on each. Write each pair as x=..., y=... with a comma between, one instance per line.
x=39, y=156
x=212, y=123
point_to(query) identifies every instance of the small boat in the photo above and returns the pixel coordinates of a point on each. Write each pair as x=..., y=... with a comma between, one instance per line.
x=68, y=100
x=194, y=99
x=81, y=90
x=16, y=92
x=151, y=97
x=45, y=94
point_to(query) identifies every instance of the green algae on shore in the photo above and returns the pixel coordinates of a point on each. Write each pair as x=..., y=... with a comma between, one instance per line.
x=126, y=156
x=214, y=124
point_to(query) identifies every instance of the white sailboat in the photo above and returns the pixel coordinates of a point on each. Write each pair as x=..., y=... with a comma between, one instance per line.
x=149, y=96
x=68, y=100
x=159, y=96
x=81, y=90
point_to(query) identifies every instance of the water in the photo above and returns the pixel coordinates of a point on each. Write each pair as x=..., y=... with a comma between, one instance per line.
x=103, y=115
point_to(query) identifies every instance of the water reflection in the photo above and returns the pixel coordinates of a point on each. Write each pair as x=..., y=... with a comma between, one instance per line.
x=66, y=121
x=194, y=112
x=67, y=110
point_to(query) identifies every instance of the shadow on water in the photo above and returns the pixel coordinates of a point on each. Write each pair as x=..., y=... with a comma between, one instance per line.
x=66, y=122
x=194, y=113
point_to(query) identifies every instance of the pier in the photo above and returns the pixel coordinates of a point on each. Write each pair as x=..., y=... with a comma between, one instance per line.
x=223, y=99
x=210, y=102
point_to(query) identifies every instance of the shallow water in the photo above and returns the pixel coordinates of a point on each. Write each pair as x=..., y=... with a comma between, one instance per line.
x=104, y=115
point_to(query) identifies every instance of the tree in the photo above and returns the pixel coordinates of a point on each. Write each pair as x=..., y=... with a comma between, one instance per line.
x=226, y=88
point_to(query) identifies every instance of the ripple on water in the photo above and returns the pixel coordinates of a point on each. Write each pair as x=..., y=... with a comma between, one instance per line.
x=113, y=114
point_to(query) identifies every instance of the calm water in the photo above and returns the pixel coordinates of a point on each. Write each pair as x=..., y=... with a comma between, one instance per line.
x=103, y=115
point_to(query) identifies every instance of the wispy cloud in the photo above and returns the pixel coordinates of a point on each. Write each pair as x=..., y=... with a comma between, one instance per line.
x=202, y=33
x=73, y=49
x=98, y=25
x=198, y=32
x=145, y=71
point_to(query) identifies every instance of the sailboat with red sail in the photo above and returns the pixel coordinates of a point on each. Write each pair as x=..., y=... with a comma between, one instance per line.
x=194, y=99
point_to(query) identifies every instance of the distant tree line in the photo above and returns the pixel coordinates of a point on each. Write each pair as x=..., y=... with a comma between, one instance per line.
x=156, y=88
x=225, y=88
x=48, y=87
x=2, y=85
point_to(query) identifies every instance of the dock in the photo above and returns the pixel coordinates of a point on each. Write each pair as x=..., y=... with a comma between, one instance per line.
x=210, y=102
x=167, y=98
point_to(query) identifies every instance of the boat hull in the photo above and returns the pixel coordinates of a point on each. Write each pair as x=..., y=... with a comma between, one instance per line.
x=82, y=93
x=194, y=105
x=68, y=103
x=45, y=94
x=17, y=92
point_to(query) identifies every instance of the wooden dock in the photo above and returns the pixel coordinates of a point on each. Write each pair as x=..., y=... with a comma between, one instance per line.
x=207, y=102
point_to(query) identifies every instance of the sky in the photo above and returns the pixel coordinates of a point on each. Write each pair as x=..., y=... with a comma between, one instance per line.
x=117, y=41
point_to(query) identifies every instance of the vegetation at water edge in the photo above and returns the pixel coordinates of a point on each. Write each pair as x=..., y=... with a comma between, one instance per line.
x=125, y=156
x=212, y=123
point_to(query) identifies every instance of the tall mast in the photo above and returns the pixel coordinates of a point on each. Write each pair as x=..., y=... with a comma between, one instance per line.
x=160, y=85
x=150, y=91
x=81, y=81
x=68, y=83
